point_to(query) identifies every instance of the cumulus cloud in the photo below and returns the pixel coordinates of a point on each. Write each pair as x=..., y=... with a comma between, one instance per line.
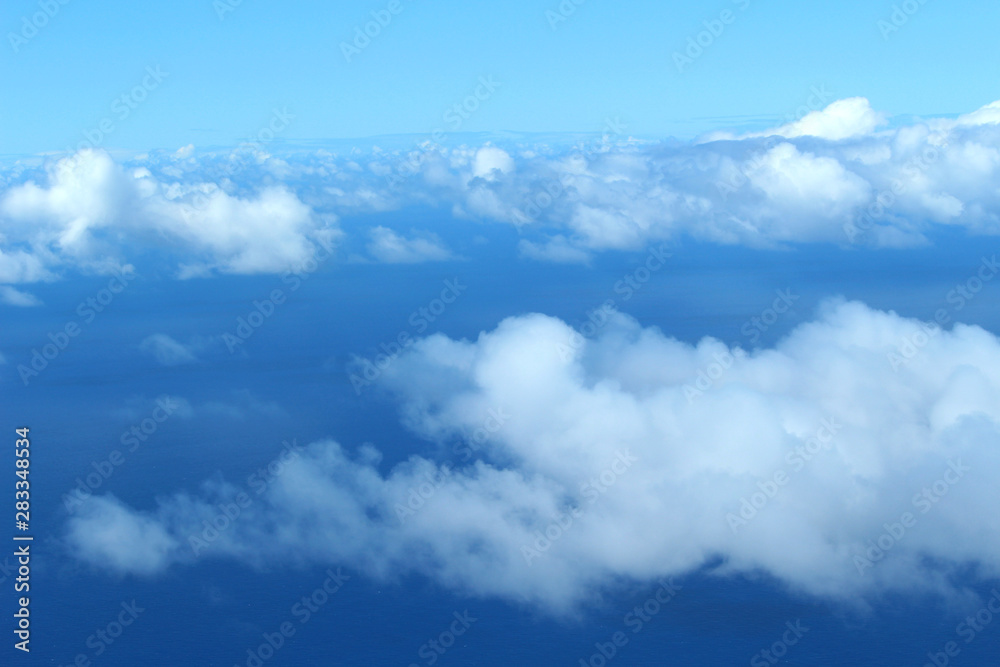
x=167, y=351
x=987, y=115
x=88, y=204
x=490, y=159
x=392, y=248
x=837, y=175
x=842, y=119
x=574, y=463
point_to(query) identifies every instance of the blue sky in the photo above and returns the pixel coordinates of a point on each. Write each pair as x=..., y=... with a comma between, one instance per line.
x=511, y=334
x=605, y=60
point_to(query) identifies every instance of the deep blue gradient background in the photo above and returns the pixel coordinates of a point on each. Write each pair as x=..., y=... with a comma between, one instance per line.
x=211, y=612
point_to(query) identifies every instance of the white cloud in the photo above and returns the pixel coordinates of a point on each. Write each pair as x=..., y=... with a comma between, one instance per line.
x=842, y=119
x=130, y=541
x=543, y=416
x=90, y=205
x=13, y=297
x=167, y=351
x=811, y=180
x=392, y=248
x=987, y=115
x=20, y=266
x=489, y=159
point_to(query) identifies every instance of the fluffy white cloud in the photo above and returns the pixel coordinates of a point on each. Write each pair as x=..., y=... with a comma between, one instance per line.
x=842, y=119
x=837, y=175
x=583, y=462
x=489, y=159
x=987, y=115
x=91, y=207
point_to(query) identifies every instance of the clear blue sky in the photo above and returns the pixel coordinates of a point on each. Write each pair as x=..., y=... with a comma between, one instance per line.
x=607, y=59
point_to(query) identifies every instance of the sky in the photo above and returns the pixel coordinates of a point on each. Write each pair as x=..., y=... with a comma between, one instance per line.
x=228, y=66
x=528, y=334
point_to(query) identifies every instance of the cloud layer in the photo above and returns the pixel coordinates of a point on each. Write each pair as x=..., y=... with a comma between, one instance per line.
x=92, y=213
x=839, y=174
x=855, y=457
